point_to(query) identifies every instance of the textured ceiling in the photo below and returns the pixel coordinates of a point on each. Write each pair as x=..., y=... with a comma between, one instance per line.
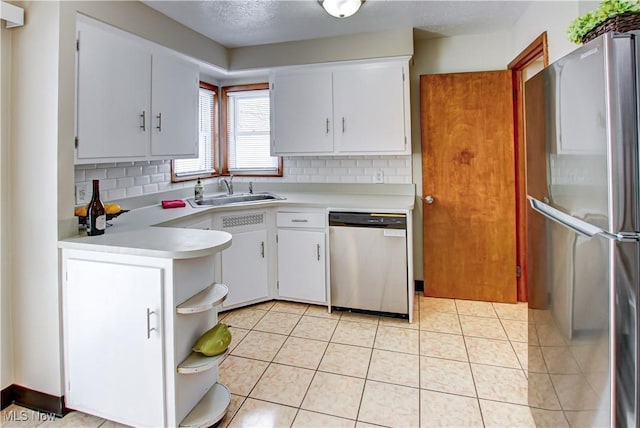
x=239, y=23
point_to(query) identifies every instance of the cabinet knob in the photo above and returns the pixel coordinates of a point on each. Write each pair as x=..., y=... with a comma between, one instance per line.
x=429, y=199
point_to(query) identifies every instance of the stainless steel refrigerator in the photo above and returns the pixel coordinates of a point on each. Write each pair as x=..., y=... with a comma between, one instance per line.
x=583, y=231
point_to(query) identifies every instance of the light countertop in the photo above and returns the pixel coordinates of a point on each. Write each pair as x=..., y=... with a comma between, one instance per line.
x=136, y=232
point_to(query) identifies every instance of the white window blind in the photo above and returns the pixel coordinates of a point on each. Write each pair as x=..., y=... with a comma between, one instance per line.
x=205, y=162
x=249, y=132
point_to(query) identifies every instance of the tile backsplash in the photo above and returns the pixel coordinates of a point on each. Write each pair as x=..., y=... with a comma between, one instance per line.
x=129, y=179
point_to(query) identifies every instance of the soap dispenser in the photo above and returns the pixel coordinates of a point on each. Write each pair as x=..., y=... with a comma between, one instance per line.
x=198, y=192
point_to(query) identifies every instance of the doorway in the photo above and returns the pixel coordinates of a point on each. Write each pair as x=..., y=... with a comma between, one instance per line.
x=531, y=60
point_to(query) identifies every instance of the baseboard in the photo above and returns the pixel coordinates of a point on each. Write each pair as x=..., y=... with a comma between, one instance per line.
x=6, y=397
x=419, y=284
x=34, y=400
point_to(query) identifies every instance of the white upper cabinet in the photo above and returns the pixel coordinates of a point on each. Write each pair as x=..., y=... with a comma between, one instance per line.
x=174, y=89
x=114, y=97
x=303, y=113
x=353, y=109
x=133, y=102
x=369, y=109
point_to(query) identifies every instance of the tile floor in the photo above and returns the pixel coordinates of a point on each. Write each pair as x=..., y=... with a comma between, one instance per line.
x=460, y=364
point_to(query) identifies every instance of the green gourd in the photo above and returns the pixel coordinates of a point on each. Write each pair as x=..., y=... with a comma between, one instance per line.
x=214, y=341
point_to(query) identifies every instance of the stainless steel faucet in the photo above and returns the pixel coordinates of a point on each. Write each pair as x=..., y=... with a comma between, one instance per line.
x=228, y=184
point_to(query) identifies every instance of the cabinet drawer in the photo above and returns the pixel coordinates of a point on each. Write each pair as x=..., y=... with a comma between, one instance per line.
x=302, y=220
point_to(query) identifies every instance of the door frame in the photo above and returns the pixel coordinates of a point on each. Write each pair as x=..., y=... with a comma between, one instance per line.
x=536, y=49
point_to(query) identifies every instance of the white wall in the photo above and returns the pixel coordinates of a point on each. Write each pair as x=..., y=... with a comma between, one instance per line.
x=552, y=17
x=33, y=194
x=6, y=355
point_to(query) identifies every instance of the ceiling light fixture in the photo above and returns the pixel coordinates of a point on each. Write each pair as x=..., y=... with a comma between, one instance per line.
x=341, y=8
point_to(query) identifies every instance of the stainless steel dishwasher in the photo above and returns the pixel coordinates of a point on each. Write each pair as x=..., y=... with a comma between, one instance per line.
x=368, y=256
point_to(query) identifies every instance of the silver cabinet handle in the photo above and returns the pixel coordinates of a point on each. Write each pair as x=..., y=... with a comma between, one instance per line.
x=429, y=199
x=343, y=125
x=318, y=251
x=149, y=328
x=144, y=120
x=327, y=125
x=262, y=249
x=159, y=117
x=299, y=220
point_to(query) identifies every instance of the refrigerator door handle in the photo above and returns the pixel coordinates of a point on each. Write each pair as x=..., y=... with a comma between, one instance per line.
x=580, y=227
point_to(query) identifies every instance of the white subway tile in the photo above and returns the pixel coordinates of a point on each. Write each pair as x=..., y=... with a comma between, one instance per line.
x=348, y=163
x=325, y=171
x=396, y=179
x=380, y=163
x=78, y=175
x=107, y=184
x=396, y=163
x=364, y=163
x=310, y=171
x=364, y=179
x=157, y=162
x=86, y=166
x=297, y=171
x=157, y=178
x=318, y=163
x=340, y=171
x=134, y=191
x=332, y=163
x=95, y=174
x=165, y=167
x=150, y=169
x=404, y=171
x=125, y=182
x=116, y=172
x=125, y=164
x=150, y=188
x=134, y=171
x=356, y=171
x=164, y=186
x=142, y=180
x=115, y=194
x=319, y=179
x=303, y=163
x=303, y=179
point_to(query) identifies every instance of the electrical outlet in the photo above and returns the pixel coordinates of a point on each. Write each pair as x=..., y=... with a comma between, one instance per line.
x=379, y=176
x=83, y=193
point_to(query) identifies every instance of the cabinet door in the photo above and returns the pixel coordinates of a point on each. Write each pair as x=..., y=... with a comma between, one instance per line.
x=114, y=93
x=114, y=341
x=301, y=265
x=302, y=113
x=369, y=109
x=174, y=125
x=244, y=267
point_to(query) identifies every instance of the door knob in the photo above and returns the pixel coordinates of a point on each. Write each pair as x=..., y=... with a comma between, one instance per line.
x=429, y=199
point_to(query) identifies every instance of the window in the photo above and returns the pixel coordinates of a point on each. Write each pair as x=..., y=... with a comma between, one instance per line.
x=205, y=165
x=246, y=132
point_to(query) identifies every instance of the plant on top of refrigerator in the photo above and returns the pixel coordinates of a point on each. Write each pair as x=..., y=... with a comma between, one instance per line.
x=590, y=20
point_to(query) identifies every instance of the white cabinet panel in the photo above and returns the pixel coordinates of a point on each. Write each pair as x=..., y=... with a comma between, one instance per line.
x=301, y=265
x=114, y=341
x=244, y=267
x=134, y=101
x=174, y=130
x=302, y=113
x=369, y=109
x=342, y=109
x=114, y=93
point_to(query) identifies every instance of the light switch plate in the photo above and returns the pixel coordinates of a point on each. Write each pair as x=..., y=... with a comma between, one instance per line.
x=83, y=193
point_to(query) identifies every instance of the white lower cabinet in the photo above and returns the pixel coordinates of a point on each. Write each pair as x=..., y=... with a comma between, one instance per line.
x=114, y=341
x=245, y=265
x=302, y=257
x=129, y=324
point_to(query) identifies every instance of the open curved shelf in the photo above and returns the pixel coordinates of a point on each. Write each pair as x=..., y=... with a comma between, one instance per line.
x=205, y=300
x=196, y=362
x=210, y=409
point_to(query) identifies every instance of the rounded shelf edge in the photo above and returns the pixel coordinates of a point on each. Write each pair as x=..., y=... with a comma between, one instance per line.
x=210, y=409
x=205, y=300
x=196, y=362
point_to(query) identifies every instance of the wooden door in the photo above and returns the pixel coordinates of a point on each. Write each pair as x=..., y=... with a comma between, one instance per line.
x=468, y=170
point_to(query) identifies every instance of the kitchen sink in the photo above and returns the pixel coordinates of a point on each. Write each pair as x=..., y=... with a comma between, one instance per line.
x=236, y=198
